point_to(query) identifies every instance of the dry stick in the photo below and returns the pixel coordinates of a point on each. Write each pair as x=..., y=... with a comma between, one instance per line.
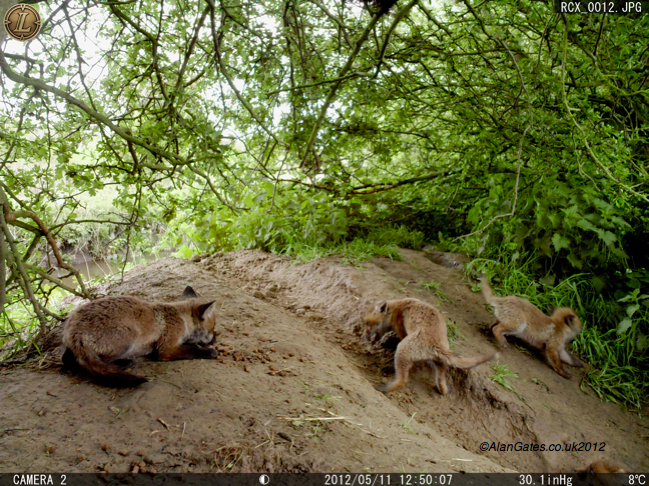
x=334, y=88
x=311, y=419
x=25, y=283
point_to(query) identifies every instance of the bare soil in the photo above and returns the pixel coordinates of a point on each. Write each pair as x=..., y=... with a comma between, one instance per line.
x=292, y=389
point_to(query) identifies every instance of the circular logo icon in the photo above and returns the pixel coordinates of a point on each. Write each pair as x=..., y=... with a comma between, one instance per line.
x=264, y=479
x=22, y=22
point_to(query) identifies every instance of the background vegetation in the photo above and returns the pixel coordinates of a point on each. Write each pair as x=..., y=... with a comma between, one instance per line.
x=306, y=127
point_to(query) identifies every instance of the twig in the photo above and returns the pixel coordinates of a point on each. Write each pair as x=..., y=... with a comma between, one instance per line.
x=399, y=17
x=55, y=280
x=50, y=239
x=3, y=271
x=4, y=431
x=332, y=92
x=311, y=419
x=24, y=281
x=520, y=151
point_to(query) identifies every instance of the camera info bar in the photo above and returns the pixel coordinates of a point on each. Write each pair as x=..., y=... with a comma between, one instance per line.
x=332, y=479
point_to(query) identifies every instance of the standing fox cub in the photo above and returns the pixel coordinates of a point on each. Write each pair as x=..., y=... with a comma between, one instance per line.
x=422, y=330
x=524, y=320
x=106, y=335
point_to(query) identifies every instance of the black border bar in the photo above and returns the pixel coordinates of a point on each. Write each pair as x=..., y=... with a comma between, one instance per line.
x=322, y=479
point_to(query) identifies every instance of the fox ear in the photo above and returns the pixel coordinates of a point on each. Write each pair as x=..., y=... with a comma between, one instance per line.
x=382, y=306
x=189, y=293
x=570, y=320
x=204, y=310
x=551, y=310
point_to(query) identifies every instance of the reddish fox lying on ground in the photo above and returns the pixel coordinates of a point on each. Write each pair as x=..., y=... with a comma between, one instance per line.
x=422, y=330
x=106, y=335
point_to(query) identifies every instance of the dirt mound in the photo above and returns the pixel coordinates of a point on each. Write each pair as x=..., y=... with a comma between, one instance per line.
x=292, y=389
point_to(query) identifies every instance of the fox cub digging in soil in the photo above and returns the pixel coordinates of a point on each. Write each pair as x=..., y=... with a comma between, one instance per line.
x=524, y=320
x=422, y=330
x=106, y=335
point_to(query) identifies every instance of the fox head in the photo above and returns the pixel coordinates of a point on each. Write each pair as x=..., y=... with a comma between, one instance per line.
x=601, y=466
x=569, y=318
x=203, y=317
x=377, y=321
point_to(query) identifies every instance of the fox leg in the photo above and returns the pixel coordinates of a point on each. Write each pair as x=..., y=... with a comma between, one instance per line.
x=498, y=330
x=402, y=364
x=186, y=351
x=568, y=358
x=440, y=376
x=552, y=353
x=502, y=329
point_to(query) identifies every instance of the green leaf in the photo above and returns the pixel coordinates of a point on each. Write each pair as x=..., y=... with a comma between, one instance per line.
x=608, y=238
x=643, y=342
x=547, y=281
x=631, y=309
x=560, y=241
x=184, y=251
x=623, y=326
x=586, y=225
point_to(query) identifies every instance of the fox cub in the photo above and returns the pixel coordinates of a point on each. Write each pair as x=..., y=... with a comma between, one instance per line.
x=422, y=330
x=106, y=335
x=603, y=471
x=524, y=320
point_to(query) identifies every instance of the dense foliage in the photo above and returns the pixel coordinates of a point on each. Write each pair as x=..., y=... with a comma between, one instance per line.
x=307, y=127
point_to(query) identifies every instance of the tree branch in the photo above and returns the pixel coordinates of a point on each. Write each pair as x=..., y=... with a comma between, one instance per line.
x=375, y=186
x=98, y=117
x=55, y=248
x=399, y=17
x=24, y=281
x=332, y=93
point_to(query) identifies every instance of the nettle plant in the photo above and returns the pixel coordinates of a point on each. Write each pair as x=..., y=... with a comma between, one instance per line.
x=570, y=224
